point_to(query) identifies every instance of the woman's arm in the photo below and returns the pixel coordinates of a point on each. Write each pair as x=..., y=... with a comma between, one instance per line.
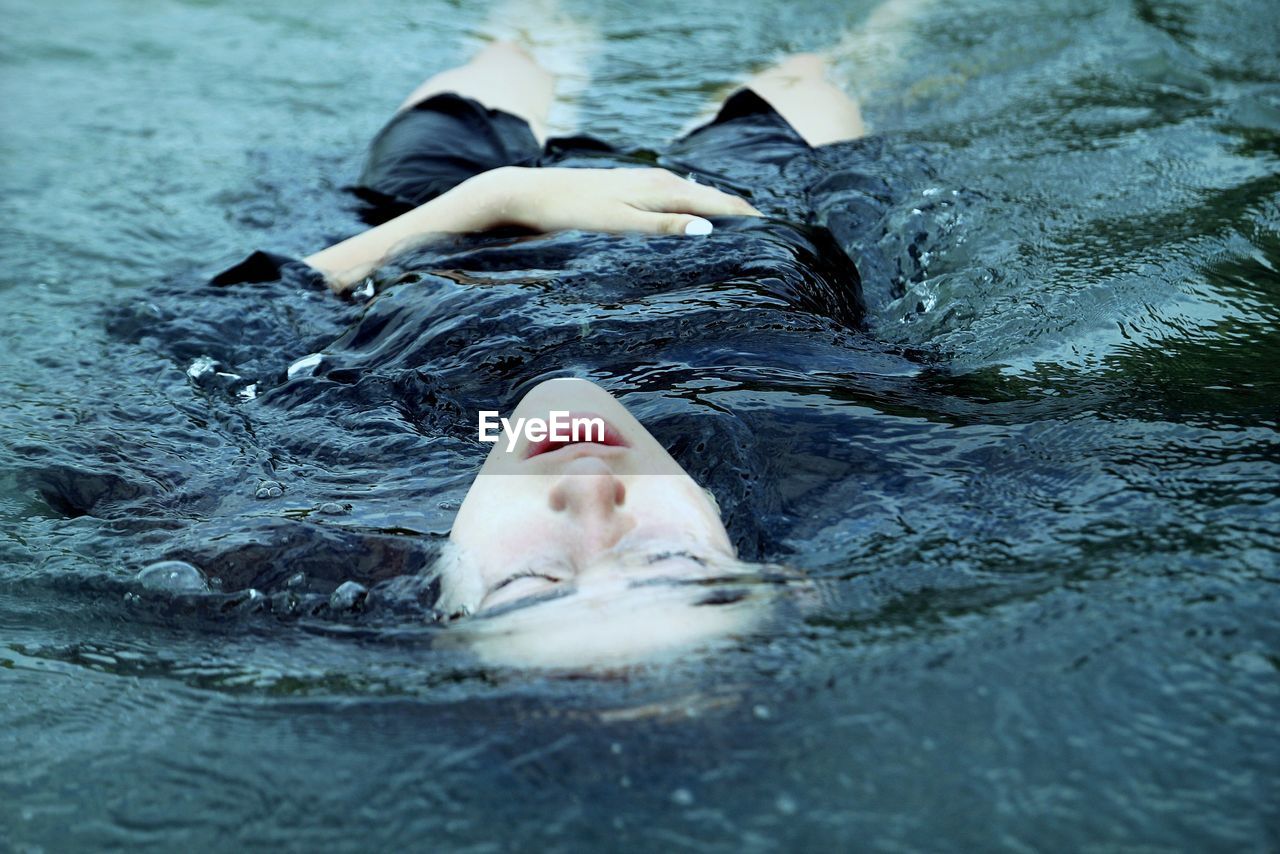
x=470, y=206
x=553, y=199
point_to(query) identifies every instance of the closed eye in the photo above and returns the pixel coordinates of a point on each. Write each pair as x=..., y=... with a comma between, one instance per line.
x=511, y=579
x=520, y=586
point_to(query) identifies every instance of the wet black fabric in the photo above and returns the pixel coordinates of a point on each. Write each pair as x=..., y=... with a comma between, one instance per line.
x=748, y=149
x=743, y=351
x=440, y=142
x=472, y=322
x=437, y=144
x=267, y=267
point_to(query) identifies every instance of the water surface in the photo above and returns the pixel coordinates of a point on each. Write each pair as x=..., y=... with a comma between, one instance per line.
x=1049, y=546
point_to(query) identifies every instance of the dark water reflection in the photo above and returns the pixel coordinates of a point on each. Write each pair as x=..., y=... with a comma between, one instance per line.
x=1042, y=497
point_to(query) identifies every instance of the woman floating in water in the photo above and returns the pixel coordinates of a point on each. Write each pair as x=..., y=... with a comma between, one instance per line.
x=594, y=521
x=710, y=280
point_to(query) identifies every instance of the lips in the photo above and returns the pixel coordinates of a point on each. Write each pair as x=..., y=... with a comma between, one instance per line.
x=580, y=426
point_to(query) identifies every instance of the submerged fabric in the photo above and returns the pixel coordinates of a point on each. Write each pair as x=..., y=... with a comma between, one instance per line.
x=748, y=149
x=350, y=466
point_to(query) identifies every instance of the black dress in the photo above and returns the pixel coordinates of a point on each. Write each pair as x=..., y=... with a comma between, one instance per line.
x=745, y=352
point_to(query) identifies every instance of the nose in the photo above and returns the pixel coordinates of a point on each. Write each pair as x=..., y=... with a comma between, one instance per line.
x=592, y=495
x=587, y=487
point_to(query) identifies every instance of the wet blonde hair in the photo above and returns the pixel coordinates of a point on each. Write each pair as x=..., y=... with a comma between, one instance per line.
x=461, y=592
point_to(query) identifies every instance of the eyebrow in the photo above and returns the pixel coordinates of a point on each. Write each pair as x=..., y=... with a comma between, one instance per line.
x=658, y=557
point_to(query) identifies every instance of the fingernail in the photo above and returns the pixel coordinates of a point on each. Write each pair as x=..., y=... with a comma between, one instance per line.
x=698, y=226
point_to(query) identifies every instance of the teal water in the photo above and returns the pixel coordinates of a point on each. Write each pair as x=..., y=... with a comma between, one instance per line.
x=1053, y=582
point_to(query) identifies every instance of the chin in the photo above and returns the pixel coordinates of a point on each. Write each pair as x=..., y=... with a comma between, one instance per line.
x=614, y=628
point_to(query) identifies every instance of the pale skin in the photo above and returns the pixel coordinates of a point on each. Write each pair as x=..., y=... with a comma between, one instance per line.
x=503, y=76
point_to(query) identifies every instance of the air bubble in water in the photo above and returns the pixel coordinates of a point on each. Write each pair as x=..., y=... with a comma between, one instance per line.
x=268, y=489
x=174, y=576
x=348, y=595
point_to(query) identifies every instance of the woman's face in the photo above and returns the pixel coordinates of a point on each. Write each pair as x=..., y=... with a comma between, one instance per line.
x=549, y=517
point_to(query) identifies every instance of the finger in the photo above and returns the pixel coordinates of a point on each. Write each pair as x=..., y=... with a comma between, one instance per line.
x=688, y=197
x=652, y=222
x=712, y=195
x=737, y=206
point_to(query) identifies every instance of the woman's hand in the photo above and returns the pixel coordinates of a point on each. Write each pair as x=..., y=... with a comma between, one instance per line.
x=648, y=200
x=652, y=200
